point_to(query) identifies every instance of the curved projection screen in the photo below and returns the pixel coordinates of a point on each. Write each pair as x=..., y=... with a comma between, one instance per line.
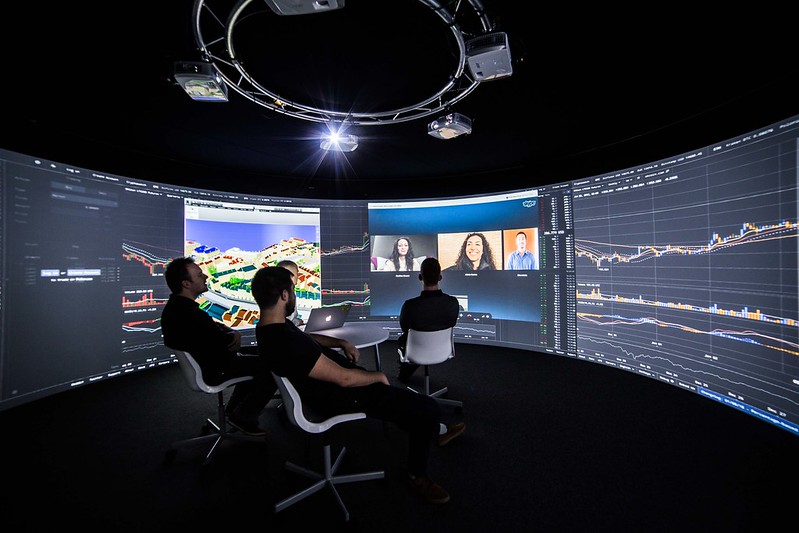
x=682, y=270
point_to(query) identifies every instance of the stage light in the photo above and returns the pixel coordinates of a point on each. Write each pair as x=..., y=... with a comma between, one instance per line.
x=200, y=81
x=336, y=142
x=450, y=126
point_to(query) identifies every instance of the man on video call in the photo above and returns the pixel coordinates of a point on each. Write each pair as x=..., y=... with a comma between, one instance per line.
x=432, y=310
x=521, y=258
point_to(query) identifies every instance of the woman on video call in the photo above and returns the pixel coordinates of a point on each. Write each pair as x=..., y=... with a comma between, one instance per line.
x=475, y=254
x=401, y=257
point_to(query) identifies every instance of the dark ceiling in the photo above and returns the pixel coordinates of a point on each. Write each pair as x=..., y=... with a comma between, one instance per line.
x=92, y=86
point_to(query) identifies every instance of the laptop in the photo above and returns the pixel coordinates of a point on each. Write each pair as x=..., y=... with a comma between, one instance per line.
x=322, y=318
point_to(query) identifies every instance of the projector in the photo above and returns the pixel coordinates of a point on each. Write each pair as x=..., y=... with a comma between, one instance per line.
x=200, y=81
x=488, y=56
x=450, y=126
x=303, y=7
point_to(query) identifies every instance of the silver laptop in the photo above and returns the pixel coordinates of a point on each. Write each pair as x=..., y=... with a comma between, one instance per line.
x=322, y=318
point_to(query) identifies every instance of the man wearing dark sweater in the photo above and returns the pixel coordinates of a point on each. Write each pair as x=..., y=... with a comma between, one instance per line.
x=432, y=310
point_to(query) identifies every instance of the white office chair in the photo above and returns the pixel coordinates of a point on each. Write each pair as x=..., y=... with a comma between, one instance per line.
x=216, y=431
x=297, y=416
x=427, y=348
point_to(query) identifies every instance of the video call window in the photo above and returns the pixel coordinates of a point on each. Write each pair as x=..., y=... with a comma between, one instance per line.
x=468, y=236
x=396, y=253
x=521, y=249
x=476, y=250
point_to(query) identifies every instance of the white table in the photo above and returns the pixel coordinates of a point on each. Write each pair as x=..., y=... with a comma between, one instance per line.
x=361, y=334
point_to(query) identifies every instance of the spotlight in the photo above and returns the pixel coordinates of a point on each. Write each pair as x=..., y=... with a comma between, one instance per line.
x=450, y=126
x=339, y=143
x=200, y=81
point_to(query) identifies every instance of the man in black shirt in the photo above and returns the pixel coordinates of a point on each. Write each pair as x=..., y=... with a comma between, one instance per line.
x=432, y=310
x=215, y=347
x=331, y=383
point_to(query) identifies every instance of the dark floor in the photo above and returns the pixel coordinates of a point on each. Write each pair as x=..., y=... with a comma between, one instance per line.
x=552, y=444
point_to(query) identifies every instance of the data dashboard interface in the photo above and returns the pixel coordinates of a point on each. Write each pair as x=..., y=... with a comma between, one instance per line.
x=682, y=270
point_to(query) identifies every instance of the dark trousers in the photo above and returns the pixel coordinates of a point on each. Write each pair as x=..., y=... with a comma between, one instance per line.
x=416, y=414
x=249, y=398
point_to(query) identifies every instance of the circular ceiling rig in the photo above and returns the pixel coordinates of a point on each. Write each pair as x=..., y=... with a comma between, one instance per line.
x=214, y=24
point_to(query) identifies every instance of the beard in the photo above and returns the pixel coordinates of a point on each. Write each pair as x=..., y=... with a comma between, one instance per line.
x=291, y=305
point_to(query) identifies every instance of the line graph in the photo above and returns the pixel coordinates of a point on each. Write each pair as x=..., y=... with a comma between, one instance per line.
x=749, y=233
x=595, y=294
x=345, y=257
x=154, y=263
x=688, y=275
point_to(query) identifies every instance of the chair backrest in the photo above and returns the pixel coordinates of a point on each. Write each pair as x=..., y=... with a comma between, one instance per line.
x=194, y=375
x=430, y=347
x=292, y=403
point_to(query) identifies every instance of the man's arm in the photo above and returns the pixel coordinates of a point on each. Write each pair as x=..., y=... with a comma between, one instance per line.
x=404, y=319
x=350, y=350
x=327, y=370
x=453, y=312
x=234, y=343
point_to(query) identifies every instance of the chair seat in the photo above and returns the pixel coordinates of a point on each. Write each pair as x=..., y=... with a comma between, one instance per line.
x=214, y=431
x=426, y=348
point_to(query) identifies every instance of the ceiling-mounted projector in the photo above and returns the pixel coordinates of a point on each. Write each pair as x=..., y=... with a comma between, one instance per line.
x=200, y=81
x=449, y=126
x=303, y=7
x=488, y=56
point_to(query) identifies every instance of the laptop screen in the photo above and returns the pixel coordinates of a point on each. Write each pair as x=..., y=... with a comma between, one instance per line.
x=322, y=318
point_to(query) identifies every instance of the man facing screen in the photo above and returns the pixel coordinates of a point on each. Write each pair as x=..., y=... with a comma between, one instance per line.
x=331, y=383
x=432, y=310
x=216, y=347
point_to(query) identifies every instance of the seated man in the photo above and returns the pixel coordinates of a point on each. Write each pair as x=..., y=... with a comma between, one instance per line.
x=331, y=383
x=215, y=347
x=432, y=310
x=292, y=267
x=350, y=350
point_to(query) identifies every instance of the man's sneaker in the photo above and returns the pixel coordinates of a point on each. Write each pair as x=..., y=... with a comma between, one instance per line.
x=453, y=430
x=244, y=427
x=429, y=490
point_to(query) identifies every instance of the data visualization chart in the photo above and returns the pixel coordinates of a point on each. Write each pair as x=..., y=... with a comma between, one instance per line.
x=686, y=273
x=152, y=235
x=345, y=258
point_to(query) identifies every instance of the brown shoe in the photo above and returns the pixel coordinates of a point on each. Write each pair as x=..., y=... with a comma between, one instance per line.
x=429, y=490
x=453, y=430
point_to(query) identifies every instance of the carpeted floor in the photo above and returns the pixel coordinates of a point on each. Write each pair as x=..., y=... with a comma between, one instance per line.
x=551, y=444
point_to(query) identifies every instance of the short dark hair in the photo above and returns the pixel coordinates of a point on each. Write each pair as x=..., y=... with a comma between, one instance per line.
x=176, y=272
x=268, y=284
x=287, y=263
x=431, y=271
